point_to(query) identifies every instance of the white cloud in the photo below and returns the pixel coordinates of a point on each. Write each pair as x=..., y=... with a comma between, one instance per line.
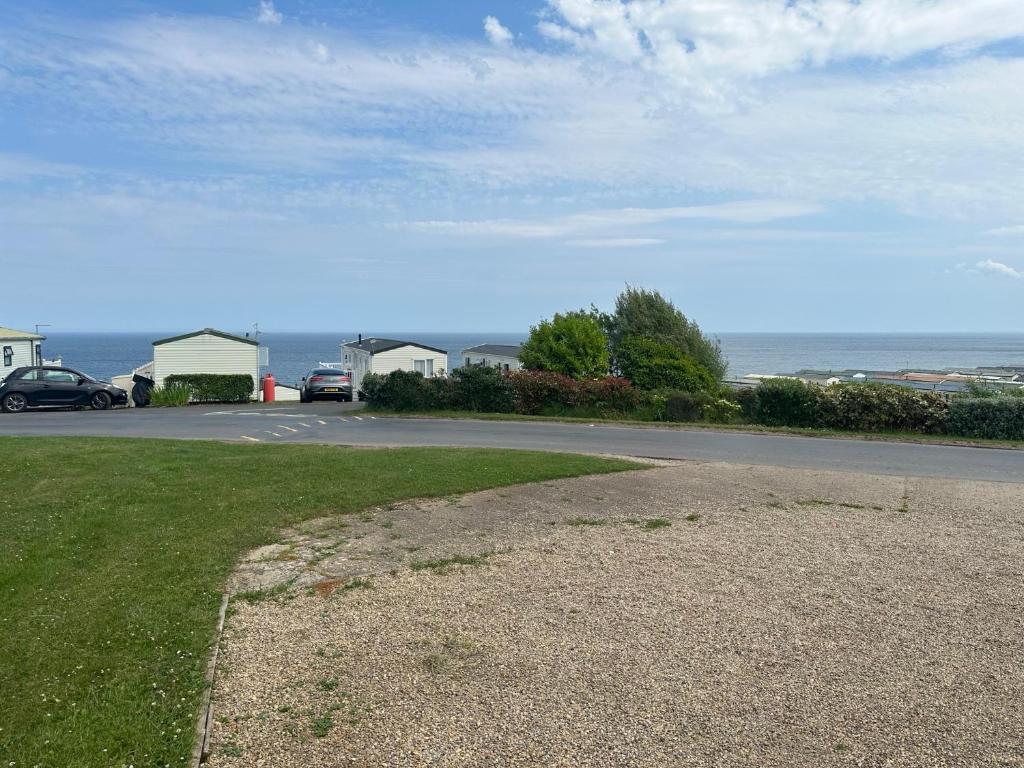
x=748, y=211
x=267, y=13
x=998, y=268
x=496, y=32
x=1013, y=230
x=614, y=242
x=717, y=38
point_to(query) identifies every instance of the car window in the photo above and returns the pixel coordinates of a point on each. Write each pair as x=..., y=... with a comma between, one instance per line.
x=30, y=375
x=63, y=377
x=328, y=372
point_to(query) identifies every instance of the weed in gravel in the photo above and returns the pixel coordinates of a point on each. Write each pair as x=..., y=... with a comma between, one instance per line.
x=253, y=596
x=386, y=523
x=654, y=523
x=585, y=521
x=284, y=708
x=693, y=517
x=327, y=684
x=231, y=750
x=442, y=564
x=322, y=725
x=776, y=505
x=841, y=747
x=435, y=663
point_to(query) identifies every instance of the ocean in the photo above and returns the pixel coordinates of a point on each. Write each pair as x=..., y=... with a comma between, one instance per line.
x=292, y=354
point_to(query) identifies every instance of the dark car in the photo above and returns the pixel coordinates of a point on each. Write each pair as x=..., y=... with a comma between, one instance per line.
x=46, y=386
x=326, y=384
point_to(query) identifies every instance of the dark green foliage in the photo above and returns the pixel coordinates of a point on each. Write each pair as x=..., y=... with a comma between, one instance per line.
x=214, y=387
x=543, y=392
x=687, y=406
x=572, y=344
x=721, y=410
x=997, y=418
x=482, y=388
x=404, y=391
x=787, y=403
x=871, y=407
x=176, y=395
x=639, y=312
x=651, y=364
x=746, y=399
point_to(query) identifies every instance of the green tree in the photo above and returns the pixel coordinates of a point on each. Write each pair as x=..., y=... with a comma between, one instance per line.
x=642, y=313
x=650, y=364
x=572, y=344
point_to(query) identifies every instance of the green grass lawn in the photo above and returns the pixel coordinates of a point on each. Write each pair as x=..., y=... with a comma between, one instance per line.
x=113, y=554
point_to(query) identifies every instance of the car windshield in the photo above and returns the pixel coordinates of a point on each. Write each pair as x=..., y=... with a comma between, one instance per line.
x=328, y=372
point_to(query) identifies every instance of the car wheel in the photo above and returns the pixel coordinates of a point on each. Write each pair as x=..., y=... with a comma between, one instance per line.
x=303, y=398
x=15, y=402
x=100, y=401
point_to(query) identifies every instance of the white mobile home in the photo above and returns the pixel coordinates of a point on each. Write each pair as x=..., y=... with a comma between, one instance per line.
x=206, y=351
x=19, y=348
x=386, y=355
x=502, y=356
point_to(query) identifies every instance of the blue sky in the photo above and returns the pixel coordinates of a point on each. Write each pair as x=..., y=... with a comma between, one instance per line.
x=768, y=164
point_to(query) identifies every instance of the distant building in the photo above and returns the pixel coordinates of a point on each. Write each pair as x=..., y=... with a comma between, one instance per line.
x=206, y=351
x=375, y=355
x=503, y=356
x=19, y=348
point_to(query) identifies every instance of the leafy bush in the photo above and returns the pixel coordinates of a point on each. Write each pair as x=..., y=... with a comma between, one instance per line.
x=172, y=395
x=651, y=364
x=482, y=388
x=214, y=387
x=869, y=407
x=537, y=392
x=403, y=391
x=721, y=411
x=687, y=406
x=997, y=418
x=746, y=399
x=572, y=344
x=787, y=403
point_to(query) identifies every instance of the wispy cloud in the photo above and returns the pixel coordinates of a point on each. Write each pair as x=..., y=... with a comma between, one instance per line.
x=1001, y=231
x=496, y=32
x=748, y=211
x=614, y=242
x=998, y=268
x=267, y=13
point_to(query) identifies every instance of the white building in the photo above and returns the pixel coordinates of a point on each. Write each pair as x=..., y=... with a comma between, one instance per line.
x=206, y=351
x=386, y=355
x=503, y=356
x=19, y=348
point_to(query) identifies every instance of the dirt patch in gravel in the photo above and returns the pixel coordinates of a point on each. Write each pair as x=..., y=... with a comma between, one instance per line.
x=696, y=615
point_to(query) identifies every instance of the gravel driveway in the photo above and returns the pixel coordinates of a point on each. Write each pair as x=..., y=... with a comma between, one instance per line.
x=692, y=615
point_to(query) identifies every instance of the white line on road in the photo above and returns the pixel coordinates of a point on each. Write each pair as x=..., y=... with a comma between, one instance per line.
x=282, y=426
x=253, y=439
x=321, y=421
x=275, y=434
x=374, y=418
x=304, y=424
x=358, y=418
x=342, y=418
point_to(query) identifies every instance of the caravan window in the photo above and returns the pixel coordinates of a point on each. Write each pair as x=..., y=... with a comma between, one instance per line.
x=8, y=357
x=426, y=367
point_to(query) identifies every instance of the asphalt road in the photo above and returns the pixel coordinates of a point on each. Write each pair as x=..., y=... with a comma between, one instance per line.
x=347, y=424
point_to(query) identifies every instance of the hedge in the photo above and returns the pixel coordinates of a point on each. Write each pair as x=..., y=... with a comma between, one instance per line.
x=869, y=407
x=214, y=387
x=996, y=418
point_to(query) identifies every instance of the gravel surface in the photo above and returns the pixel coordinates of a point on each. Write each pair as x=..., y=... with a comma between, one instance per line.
x=780, y=618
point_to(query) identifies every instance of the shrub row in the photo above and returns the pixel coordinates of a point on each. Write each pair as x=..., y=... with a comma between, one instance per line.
x=213, y=387
x=997, y=418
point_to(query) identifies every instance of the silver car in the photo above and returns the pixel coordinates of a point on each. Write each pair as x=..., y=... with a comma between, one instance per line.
x=326, y=384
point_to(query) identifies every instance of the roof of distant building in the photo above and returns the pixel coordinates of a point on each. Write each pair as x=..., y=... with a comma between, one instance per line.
x=375, y=346
x=207, y=332
x=503, y=350
x=9, y=334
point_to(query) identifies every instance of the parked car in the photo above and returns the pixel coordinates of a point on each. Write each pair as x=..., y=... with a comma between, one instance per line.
x=326, y=384
x=37, y=386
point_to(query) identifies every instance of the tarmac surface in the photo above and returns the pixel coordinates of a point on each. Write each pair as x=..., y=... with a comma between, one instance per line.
x=348, y=424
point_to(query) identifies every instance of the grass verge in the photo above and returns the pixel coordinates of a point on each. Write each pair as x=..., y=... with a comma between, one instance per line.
x=113, y=554
x=889, y=437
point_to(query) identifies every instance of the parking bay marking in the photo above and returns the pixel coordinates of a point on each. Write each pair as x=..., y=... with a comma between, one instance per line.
x=251, y=439
x=304, y=424
x=275, y=434
x=282, y=426
x=321, y=421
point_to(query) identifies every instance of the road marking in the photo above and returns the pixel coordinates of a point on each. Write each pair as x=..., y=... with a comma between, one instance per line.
x=253, y=439
x=304, y=424
x=374, y=418
x=282, y=426
x=358, y=418
x=342, y=418
x=275, y=434
x=321, y=421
